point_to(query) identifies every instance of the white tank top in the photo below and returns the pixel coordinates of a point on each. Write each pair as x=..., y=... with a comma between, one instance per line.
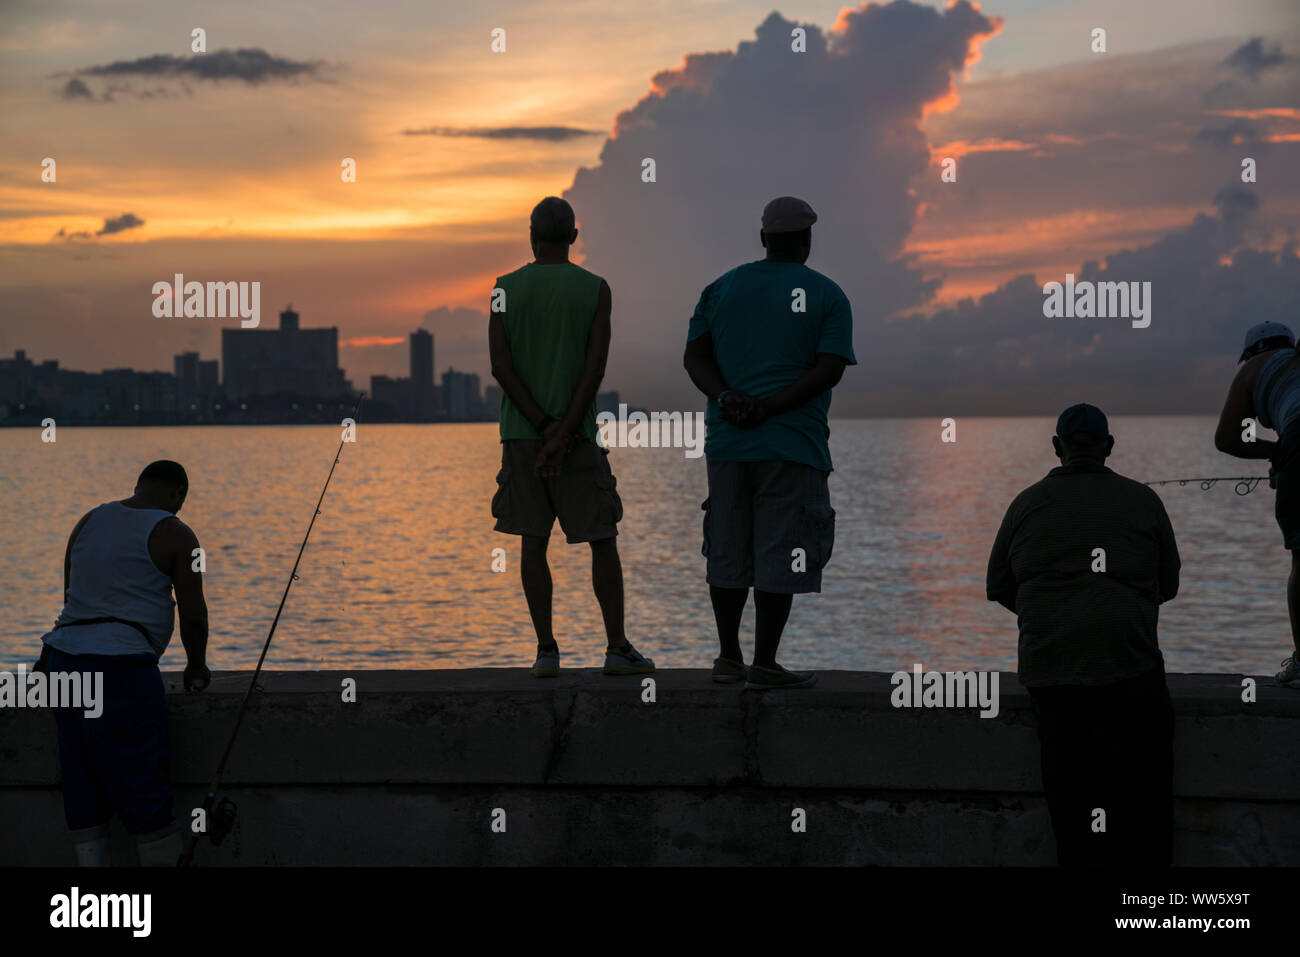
x=112, y=576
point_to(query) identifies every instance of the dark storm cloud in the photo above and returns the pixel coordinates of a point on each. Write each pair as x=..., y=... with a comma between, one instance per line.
x=1250, y=59
x=1001, y=355
x=1237, y=131
x=120, y=223
x=116, y=224
x=550, y=134
x=76, y=89
x=250, y=65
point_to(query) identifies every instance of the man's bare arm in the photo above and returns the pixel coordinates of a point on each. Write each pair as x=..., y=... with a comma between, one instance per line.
x=67, y=556
x=191, y=607
x=503, y=370
x=597, y=356
x=702, y=367
x=1239, y=405
x=825, y=374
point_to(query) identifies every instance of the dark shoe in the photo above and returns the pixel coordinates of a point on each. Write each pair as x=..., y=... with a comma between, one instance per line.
x=547, y=664
x=627, y=661
x=765, y=679
x=728, y=672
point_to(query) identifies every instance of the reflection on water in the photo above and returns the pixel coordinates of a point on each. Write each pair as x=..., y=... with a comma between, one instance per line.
x=398, y=571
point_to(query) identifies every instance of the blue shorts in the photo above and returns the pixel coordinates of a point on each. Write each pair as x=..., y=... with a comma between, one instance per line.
x=768, y=525
x=120, y=762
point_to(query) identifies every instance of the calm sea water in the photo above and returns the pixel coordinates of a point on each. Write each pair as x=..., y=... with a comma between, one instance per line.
x=398, y=571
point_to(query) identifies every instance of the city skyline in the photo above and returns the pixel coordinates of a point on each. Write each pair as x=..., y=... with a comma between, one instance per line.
x=265, y=375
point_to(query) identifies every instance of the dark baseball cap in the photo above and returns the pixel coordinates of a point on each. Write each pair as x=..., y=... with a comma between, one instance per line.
x=1082, y=418
x=1261, y=332
x=787, y=214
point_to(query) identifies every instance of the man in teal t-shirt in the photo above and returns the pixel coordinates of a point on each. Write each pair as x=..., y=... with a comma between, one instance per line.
x=767, y=342
x=548, y=335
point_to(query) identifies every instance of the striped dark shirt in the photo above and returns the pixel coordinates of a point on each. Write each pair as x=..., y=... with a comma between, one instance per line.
x=1079, y=626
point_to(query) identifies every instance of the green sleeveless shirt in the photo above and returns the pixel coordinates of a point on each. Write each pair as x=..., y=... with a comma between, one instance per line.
x=548, y=314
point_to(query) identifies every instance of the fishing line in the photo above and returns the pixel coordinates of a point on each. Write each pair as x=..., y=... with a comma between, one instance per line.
x=1245, y=483
x=225, y=813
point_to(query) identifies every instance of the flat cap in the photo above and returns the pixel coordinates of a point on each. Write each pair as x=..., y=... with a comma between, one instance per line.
x=787, y=214
x=1083, y=418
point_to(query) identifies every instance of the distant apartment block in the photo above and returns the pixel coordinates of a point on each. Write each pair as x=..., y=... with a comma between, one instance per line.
x=196, y=382
x=607, y=402
x=461, y=397
x=492, y=403
x=292, y=360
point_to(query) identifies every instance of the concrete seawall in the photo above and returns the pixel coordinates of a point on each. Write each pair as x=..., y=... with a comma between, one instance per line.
x=586, y=772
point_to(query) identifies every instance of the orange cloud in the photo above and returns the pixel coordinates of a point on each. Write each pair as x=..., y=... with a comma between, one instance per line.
x=960, y=148
x=1286, y=113
x=367, y=342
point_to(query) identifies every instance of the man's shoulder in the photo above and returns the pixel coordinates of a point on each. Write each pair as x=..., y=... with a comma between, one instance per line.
x=1122, y=483
x=172, y=529
x=1061, y=481
x=830, y=289
x=727, y=276
x=588, y=274
x=531, y=271
x=512, y=275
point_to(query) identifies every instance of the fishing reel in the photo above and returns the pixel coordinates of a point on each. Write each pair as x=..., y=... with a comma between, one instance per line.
x=223, y=821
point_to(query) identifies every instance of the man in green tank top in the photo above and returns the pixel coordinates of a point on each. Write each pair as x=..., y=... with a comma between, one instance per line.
x=549, y=334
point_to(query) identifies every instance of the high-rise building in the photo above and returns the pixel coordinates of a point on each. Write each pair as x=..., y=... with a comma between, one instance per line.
x=394, y=393
x=607, y=402
x=196, y=383
x=186, y=366
x=291, y=360
x=207, y=380
x=422, y=397
x=460, y=395
x=492, y=402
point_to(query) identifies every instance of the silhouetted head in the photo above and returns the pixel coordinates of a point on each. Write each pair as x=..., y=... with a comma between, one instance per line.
x=163, y=484
x=1082, y=435
x=787, y=247
x=551, y=228
x=1266, y=337
x=787, y=229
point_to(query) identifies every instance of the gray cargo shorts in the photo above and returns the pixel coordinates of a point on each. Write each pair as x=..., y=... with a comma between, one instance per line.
x=584, y=496
x=767, y=525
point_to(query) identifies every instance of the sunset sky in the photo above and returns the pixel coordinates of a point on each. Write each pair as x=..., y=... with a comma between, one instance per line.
x=225, y=165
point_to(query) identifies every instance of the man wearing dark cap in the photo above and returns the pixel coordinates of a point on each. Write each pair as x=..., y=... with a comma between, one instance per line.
x=767, y=342
x=549, y=334
x=1267, y=388
x=123, y=561
x=1085, y=557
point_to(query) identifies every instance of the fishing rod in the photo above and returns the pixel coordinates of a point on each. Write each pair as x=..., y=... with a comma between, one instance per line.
x=224, y=816
x=1245, y=483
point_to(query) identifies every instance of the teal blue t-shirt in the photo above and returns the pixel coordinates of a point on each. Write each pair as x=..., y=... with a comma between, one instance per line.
x=763, y=345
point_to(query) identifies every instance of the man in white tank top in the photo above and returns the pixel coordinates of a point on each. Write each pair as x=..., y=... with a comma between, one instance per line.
x=123, y=562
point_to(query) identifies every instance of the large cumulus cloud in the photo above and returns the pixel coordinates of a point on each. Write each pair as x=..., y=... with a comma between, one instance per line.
x=838, y=125
x=845, y=126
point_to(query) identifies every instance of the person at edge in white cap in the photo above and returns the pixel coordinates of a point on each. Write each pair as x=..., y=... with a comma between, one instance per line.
x=1267, y=388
